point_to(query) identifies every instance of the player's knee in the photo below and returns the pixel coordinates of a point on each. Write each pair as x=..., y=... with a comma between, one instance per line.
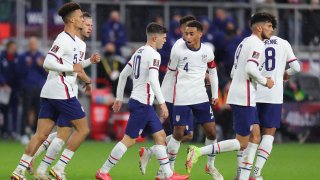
x=85, y=132
x=243, y=145
x=188, y=137
x=211, y=136
x=41, y=137
x=255, y=139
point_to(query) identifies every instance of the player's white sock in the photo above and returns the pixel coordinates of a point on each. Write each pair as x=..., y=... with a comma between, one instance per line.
x=222, y=146
x=24, y=162
x=247, y=161
x=173, y=148
x=264, y=151
x=44, y=146
x=162, y=156
x=64, y=159
x=116, y=154
x=239, y=160
x=52, y=152
x=211, y=157
x=168, y=139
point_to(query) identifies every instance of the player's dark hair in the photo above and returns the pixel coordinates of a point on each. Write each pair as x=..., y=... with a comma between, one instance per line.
x=154, y=28
x=186, y=19
x=67, y=9
x=263, y=17
x=86, y=15
x=195, y=24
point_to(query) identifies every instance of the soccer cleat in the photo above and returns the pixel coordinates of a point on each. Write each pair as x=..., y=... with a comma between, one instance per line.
x=57, y=173
x=213, y=172
x=256, y=178
x=192, y=158
x=41, y=177
x=160, y=175
x=145, y=156
x=176, y=176
x=103, y=176
x=30, y=169
x=18, y=174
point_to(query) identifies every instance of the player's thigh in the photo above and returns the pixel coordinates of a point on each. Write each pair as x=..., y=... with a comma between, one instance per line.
x=137, y=119
x=243, y=119
x=269, y=115
x=181, y=115
x=153, y=124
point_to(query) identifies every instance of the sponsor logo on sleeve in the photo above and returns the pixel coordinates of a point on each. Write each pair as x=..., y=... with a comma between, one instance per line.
x=156, y=62
x=55, y=48
x=255, y=55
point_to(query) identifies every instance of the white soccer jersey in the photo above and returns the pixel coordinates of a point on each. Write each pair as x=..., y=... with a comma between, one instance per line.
x=191, y=67
x=59, y=84
x=82, y=54
x=170, y=78
x=145, y=59
x=243, y=88
x=278, y=53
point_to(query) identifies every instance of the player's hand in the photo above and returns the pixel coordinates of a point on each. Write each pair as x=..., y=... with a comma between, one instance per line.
x=270, y=83
x=77, y=68
x=286, y=76
x=214, y=101
x=164, y=111
x=117, y=106
x=88, y=88
x=95, y=58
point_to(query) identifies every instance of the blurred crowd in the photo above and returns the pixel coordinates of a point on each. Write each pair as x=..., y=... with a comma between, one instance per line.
x=22, y=75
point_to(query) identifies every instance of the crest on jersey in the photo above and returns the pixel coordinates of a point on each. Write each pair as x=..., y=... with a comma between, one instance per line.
x=255, y=55
x=55, y=48
x=156, y=62
x=204, y=58
x=177, y=118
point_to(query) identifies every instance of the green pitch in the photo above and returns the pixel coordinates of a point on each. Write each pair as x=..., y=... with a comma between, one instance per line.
x=287, y=161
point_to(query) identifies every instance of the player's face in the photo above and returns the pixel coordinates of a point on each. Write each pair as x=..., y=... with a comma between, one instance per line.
x=78, y=19
x=87, y=27
x=267, y=30
x=161, y=39
x=192, y=37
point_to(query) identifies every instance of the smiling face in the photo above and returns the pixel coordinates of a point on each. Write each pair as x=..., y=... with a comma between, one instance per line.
x=192, y=37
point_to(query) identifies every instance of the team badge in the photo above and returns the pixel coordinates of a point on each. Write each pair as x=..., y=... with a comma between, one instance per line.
x=177, y=118
x=204, y=58
x=55, y=48
x=156, y=62
x=255, y=55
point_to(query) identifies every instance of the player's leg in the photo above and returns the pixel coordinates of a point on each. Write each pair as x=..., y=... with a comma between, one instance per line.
x=136, y=122
x=181, y=115
x=46, y=122
x=270, y=120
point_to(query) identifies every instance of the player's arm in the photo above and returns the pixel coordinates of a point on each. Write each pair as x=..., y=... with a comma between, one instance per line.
x=294, y=66
x=84, y=77
x=232, y=72
x=213, y=76
x=94, y=59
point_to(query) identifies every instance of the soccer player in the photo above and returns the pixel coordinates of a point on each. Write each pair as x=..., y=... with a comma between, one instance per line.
x=189, y=62
x=242, y=91
x=56, y=144
x=278, y=53
x=143, y=120
x=167, y=90
x=57, y=97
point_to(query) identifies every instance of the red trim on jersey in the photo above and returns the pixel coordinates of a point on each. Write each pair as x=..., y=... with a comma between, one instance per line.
x=175, y=88
x=154, y=68
x=291, y=60
x=148, y=92
x=130, y=64
x=65, y=86
x=171, y=69
x=211, y=64
x=253, y=60
x=54, y=56
x=264, y=151
x=248, y=92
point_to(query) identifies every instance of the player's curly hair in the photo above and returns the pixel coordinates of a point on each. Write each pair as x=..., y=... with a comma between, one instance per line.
x=186, y=19
x=154, y=28
x=195, y=24
x=67, y=9
x=263, y=17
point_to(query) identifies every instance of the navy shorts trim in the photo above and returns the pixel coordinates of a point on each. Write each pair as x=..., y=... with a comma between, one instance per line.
x=269, y=115
x=143, y=120
x=62, y=111
x=243, y=119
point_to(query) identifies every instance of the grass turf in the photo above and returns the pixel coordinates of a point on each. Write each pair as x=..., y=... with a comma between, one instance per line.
x=287, y=161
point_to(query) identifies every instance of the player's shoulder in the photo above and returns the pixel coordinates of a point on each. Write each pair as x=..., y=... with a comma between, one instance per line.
x=64, y=38
x=206, y=47
x=148, y=51
x=80, y=41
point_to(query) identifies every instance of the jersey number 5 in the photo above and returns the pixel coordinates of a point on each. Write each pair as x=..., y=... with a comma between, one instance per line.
x=270, y=62
x=136, y=66
x=75, y=59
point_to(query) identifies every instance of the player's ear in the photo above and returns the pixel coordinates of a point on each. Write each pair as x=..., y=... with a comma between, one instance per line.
x=154, y=38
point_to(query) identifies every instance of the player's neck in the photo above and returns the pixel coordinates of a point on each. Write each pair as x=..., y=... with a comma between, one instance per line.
x=258, y=35
x=152, y=44
x=194, y=47
x=71, y=30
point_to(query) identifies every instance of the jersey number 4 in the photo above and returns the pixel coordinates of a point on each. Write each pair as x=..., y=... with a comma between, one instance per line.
x=186, y=67
x=136, y=66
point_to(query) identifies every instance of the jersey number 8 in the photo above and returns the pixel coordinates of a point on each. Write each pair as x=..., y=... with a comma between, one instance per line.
x=270, y=62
